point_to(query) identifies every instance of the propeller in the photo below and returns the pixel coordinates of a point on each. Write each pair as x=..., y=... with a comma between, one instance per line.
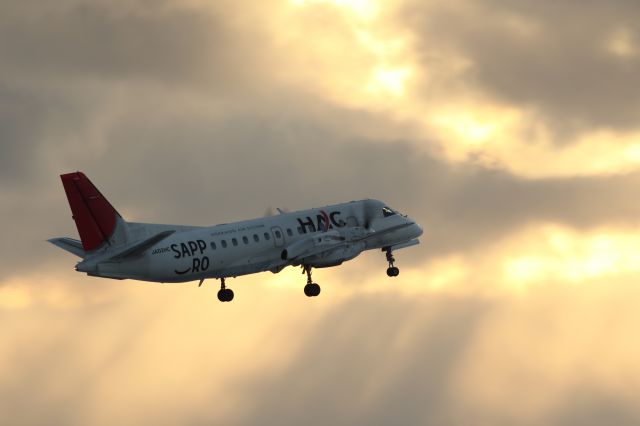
x=367, y=219
x=372, y=210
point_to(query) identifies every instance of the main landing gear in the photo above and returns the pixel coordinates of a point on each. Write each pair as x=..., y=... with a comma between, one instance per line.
x=311, y=289
x=392, y=271
x=224, y=294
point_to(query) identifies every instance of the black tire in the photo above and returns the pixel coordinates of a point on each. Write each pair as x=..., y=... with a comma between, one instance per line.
x=225, y=295
x=308, y=290
x=222, y=295
x=316, y=290
x=229, y=295
x=396, y=271
x=390, y=272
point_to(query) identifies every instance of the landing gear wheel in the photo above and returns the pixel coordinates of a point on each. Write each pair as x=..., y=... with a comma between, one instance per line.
x=225, y=295
x=312, y=290
x=393, y=271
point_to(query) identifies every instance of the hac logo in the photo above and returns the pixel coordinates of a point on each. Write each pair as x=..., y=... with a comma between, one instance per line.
x=323, y=222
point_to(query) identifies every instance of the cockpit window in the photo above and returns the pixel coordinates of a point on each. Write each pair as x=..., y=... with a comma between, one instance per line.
x=388, y=211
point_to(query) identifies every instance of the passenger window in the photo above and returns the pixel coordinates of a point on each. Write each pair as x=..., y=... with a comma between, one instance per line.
x=224, y=243
x=256, y=238
x=234, y=241
x=245, y=240
x=289, y=232
x=278, y=234
x=267, y=236
x=213, y=245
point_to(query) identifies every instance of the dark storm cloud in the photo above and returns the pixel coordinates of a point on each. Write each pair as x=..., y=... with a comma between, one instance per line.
x=559, y=66
x=21, y=125
x=114, y=40
x=476, y=206
x=62, y=61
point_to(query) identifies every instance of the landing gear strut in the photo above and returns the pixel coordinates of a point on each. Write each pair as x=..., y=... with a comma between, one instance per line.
x=224, y=294
x=311, y=289
x=392, y=271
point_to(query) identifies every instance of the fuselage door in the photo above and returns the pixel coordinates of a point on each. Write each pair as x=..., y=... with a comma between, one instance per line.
x=278, y=236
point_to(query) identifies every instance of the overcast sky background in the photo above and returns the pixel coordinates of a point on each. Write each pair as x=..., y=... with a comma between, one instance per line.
x=508, y=129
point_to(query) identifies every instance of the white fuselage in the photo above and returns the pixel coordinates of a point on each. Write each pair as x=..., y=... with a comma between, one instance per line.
x=319, y=237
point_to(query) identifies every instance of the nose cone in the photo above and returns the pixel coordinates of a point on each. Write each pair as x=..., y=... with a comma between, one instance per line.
x=417, y=230
x=414, y=230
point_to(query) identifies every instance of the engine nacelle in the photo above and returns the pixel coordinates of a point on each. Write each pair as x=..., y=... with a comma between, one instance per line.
x=335, y=257
x=297, y=248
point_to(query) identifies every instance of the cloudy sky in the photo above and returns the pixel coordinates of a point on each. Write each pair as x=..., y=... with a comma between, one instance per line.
x=509, y=129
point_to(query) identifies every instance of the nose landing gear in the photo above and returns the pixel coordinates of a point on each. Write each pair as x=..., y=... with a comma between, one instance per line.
x=392, y=271
x=224, y=294
x=311, y=289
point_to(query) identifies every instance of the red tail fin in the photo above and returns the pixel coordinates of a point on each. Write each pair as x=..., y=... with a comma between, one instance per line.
x=95, y=217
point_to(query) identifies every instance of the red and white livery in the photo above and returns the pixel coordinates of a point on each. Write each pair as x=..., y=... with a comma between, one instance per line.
x=111, y=247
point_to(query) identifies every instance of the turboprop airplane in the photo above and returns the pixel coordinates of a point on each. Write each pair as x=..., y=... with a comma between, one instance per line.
x=111, y=247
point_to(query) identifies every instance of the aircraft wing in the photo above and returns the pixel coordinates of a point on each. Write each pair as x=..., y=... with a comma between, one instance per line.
x=313, y=245
x=327, y=241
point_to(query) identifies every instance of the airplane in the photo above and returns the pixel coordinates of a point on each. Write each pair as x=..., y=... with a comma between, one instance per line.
x=111, y=247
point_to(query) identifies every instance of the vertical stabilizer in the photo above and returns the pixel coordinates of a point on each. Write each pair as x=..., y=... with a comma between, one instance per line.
x=95, y=217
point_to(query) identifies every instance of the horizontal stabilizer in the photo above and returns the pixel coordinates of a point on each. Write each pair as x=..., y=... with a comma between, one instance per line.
x=70, y=245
